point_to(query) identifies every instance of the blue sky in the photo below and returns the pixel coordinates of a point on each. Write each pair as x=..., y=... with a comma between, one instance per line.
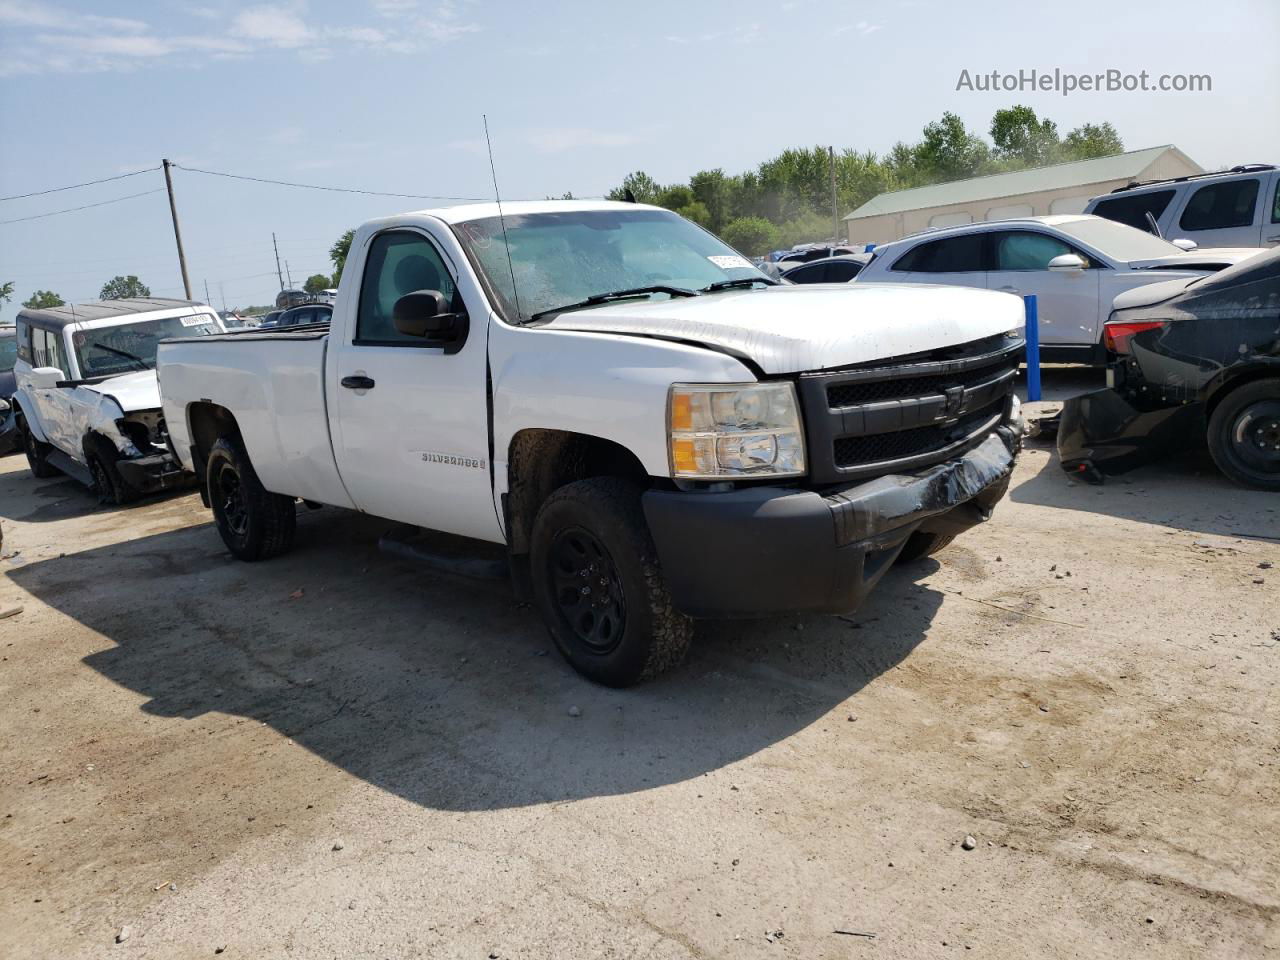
x=388, y=95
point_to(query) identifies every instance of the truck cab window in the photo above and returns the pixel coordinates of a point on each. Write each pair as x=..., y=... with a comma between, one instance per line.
x=1221, y=205
x=399, y=262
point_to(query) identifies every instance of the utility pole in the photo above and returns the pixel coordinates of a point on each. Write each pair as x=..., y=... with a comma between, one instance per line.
x=835, y=210
x=279, y=275
x=206, y=293
x=177, y=234
x=222, y=292
x=287, y=275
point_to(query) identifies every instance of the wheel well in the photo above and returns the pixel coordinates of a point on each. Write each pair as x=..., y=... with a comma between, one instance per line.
x=1239, y=380
x=539, y=462
x=206, y=423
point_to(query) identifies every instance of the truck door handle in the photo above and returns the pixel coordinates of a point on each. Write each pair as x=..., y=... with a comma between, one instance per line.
x=358, y=383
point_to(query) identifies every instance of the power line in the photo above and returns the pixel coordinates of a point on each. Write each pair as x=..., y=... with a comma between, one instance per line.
x=312, y=186
x=101, y=203
x=75, y=186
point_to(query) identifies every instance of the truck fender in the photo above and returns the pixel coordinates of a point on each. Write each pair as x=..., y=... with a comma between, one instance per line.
x=26, y=407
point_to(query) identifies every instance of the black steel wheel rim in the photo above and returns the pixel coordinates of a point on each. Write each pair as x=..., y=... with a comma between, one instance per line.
x=1255, y=436
x=587, y=590
x=101, y=482
x=231, y=502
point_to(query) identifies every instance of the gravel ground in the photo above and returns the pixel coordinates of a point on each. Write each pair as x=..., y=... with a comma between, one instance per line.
x=339, y=755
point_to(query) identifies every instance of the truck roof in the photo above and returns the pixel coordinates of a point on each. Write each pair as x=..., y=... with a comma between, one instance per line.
x=55, y=318
x=482, y=211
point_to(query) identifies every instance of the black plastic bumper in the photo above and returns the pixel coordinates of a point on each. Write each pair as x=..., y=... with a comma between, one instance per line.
x=159, y=471
x=766, y=550
x=1101, y=432
x=10, y=439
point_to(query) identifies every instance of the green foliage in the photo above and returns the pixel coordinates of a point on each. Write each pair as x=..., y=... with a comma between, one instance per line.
x=120, y=288
x=754, y=236
x=316, y=282
x=43, y=299
x=338, y=254
x=792, y=191
x=6, y=292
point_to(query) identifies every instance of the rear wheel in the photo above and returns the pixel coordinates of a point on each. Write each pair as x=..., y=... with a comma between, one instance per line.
x=598, y=585
x=37, y=453
x=920, y=545
x=254, y=523
x=1244, y=434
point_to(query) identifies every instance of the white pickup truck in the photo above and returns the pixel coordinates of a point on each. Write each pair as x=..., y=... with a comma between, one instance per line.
x=655, y=430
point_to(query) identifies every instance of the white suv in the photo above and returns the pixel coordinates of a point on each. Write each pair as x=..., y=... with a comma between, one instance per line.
x=1075, y=265
x=1239, y=207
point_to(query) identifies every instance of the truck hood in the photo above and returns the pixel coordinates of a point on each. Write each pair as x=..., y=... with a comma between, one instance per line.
x=1208, y=259
x=794, y=328
x=132, y=391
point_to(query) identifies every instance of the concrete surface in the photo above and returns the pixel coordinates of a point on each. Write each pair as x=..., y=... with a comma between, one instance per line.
x=1086, y=685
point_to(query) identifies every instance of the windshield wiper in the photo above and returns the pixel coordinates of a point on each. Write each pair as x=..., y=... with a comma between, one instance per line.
x=121, y=353
x=598, y=298
x=740, y=282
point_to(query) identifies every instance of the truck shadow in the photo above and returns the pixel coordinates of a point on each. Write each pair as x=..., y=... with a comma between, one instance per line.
x=446, y=691
x=1184, y=491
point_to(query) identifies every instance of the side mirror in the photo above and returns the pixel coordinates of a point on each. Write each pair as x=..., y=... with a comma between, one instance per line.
x=426, y=314
x=1182, y=243
x=46, y=378
x=1067, y=263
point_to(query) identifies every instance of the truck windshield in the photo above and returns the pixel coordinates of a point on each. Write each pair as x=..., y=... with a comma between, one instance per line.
x=127, y=347
x=564, y=258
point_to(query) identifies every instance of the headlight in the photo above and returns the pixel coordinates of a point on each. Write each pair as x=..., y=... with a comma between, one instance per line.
x=723, y=431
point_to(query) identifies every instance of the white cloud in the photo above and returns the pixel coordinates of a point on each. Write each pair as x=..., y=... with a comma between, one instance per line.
x=25, y=13
x=277, y=26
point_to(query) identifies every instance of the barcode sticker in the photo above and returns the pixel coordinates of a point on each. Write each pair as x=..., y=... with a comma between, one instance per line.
x=199, y=320
x=730, y=263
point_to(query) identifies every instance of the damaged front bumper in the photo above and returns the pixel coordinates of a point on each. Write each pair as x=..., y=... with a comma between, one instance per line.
x=1103, y=433
x=153, y=473
x=765, y=550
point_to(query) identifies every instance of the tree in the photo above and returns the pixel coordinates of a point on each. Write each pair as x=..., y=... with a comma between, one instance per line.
x=42, y=299
x=316, y=282
x=644, y=189
x=338, y=254
x=120, y=288
x=754, y=236
x=1022, y=138
x=6, y=292
x=949, y=151
x=697, y=212
x=1092, y=140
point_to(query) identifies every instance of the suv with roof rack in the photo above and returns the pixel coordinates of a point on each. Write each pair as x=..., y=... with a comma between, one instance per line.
x=1239, y=207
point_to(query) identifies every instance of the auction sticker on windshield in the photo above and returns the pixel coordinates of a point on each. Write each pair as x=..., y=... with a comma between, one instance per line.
x=199, y=320
x=730, y=263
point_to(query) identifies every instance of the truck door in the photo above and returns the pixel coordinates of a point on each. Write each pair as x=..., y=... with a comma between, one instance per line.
x=54, y=403
x=411, y=423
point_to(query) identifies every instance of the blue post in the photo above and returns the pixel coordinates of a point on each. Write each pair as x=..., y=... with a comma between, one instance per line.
x=1033, y=349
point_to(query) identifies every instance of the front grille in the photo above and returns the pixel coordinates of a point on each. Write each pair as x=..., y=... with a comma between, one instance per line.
x=906, y=413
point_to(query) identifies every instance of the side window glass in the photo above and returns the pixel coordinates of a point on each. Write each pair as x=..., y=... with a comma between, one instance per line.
x=40, y=348
x=1219, y=205
x=24, y=343
x=1027, y=251
x=841, y=271
x=1133, y=209
x=806, y=275
x=956, y=255
x=1275, y=203
x=57, y=356
x=399, y=262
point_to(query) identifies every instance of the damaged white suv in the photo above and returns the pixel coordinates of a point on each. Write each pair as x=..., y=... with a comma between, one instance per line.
x=87, y=403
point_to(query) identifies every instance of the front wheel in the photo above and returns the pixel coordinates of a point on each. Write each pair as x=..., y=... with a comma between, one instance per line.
x=254, y=523
x=599, y=587
x=1244, y=434
x=920, y=545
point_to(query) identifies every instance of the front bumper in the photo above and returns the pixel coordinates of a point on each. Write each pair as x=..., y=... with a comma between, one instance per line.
x=159, y=471
x=765, y=550
x=1102, y=432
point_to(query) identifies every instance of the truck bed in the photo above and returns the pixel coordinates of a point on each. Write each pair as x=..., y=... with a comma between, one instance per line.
x=272, y=382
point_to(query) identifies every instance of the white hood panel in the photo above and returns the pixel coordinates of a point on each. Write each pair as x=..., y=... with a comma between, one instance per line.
x=790, y=329
x=133, y=391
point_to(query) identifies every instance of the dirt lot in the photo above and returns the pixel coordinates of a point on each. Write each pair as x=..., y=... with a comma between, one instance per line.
x=339, y=755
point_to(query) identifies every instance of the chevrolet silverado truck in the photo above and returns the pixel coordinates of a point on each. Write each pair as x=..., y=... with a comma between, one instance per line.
x=655, y=430
x=86, y=402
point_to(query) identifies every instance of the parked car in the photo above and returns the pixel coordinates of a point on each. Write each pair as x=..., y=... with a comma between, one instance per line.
x=87, y=403
x=1239, y=207
x=270, y=319
x=839, y=269
x=9, y=438
x=1075, y=265
x=809, y=254
x=291, y=298
x=647, y=450
x=1197, y=359
x=306, y=314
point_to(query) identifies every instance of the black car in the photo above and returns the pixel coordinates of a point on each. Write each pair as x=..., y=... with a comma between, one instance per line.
x=1195, y=359
x=9, y=440
x=305, y=314
x=839, y=269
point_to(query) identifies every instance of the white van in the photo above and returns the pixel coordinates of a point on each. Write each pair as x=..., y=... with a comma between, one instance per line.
x=1239, y=207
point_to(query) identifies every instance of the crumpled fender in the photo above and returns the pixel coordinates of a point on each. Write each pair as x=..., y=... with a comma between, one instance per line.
x=1102, y=432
